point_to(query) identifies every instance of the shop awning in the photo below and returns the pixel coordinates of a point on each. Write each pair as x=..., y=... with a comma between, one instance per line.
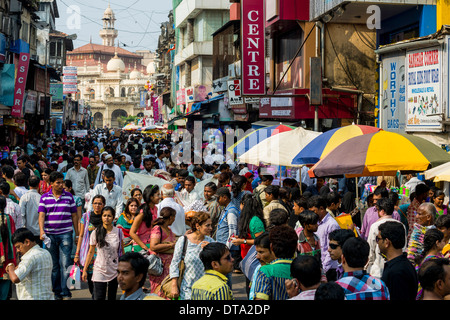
x=196, y=107
x=53, y=74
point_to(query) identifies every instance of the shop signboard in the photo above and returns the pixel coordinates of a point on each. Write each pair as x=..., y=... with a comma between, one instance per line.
x=423, y=90
x=234, y=92
x=253, y=47
x=393, y=93
x=21, y=81
x=56, y=91
x=30, y=102
x=2, y=48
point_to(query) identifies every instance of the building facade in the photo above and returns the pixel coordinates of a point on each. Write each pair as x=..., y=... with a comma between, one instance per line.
x=112, y=81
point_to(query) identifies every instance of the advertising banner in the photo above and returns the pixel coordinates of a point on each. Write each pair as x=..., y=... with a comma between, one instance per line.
x=234, y=92
x=70, y=79
x=253, y=47
x=56, y=90
x=21, y=81
x=423, y=94
x=2, y=48
x=393, y=93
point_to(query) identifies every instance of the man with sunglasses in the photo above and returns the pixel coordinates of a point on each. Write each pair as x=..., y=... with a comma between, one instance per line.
x=385, y=209
x=217, y=260
x=337, y=239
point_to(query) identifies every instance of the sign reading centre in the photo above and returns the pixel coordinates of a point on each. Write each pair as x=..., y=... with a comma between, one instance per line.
x=253, y=47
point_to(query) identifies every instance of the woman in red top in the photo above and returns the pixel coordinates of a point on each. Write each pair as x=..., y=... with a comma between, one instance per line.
x=141, y=228
x=44, y=185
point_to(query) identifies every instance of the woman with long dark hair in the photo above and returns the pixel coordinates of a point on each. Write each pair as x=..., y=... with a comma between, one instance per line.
x=433, y=243
x=125, y=220
x=141, y=228
x=7, y=250
x=162, y=242
x=107, y=241
x=251, y=223
x=238, y=189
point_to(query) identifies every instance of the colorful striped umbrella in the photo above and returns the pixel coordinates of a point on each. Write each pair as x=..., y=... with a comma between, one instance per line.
x=279, y=149
x=329, y=140
x=253, y=138
x=380, y=153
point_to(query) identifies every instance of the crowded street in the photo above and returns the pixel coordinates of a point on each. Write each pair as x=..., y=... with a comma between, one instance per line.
x=241, y=151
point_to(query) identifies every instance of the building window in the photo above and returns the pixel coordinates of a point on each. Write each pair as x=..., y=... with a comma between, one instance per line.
x=286, y=46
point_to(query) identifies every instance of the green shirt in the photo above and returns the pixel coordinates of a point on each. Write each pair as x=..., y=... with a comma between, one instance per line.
x=270, y=280
x=255, y=226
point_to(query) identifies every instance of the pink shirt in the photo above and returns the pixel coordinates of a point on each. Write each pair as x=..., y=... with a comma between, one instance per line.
x=370, y=217
x=107, y=260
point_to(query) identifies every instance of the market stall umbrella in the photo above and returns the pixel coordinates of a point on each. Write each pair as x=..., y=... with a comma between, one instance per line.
x=279, y=149
x=380, y=153
x=439, y=173
x=250, y=140
x=131, y=126
x=329, y=140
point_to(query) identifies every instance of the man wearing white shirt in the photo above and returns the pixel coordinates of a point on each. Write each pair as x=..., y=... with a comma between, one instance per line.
x=200, y=174
x=110, y=166
x=79, y=177
x=149, y=166
x=178, y=227
x=29, y=205
x=188, y=195
x=375, y=264
x=111, y=192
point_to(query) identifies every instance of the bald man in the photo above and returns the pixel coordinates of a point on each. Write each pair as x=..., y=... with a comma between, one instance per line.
x=167, y=194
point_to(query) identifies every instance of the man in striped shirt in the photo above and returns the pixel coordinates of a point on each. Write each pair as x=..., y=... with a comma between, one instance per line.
x=270, y=283
x=217, y=260
x=57, y=221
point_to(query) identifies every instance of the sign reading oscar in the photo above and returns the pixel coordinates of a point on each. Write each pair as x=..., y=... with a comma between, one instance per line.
x=253, y=47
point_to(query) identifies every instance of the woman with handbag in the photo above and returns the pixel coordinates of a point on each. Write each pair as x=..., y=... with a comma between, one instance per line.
x=88, y=223
x=193, y=266
x=107, y=240
x=162, y=242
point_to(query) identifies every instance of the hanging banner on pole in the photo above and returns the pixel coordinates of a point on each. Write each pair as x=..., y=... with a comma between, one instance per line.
x=253, y=47
x=21, y=81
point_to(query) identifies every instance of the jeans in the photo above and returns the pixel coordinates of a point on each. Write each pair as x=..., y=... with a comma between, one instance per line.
x=60, y=250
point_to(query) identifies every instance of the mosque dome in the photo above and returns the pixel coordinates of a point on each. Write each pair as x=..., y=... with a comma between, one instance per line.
x=115, y=64
x=108, y=13
x=135, y=74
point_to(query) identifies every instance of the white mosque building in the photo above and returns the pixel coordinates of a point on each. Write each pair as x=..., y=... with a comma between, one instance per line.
x=110, y=78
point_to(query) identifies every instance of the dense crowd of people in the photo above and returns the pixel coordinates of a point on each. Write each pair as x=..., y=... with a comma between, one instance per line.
x=65, y=211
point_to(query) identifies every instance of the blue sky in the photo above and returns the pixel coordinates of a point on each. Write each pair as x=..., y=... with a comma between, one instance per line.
x=138, y=21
